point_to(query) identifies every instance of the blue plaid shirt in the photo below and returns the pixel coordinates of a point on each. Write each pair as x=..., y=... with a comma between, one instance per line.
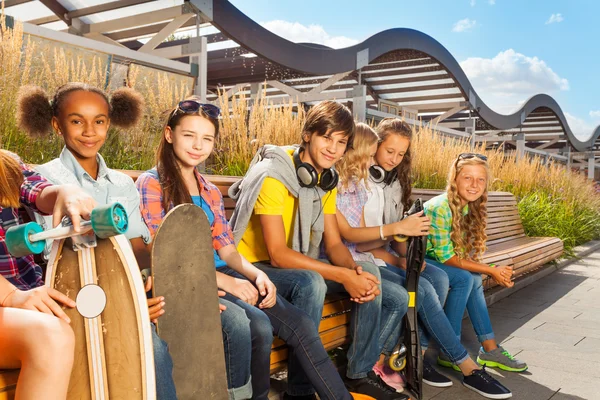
x=22, y=272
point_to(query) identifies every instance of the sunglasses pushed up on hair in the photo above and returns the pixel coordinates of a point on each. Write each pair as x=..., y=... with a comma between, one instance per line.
x=466, y=156
x=192, y=106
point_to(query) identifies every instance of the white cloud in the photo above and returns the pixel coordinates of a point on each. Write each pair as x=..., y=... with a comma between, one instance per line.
x=555, y=18
x=298, y=33
x=492, y=2
x=505, y=81
x=580, y=128
x=473, y=2
x=464, y=25
x=595, y=114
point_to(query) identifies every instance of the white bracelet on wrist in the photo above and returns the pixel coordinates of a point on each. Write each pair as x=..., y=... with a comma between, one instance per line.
x=381, y=233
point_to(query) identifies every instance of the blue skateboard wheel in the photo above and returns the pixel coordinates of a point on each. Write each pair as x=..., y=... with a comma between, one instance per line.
x=18, y=242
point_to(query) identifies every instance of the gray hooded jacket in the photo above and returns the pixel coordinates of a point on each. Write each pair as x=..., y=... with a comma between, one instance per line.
x=275, y=162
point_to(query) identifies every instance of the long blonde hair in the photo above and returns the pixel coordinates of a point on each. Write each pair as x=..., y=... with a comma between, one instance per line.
x=468, y=232
x=11, y=178
x=355, y=161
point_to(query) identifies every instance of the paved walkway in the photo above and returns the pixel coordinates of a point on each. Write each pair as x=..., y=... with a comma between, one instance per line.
x=553, y=325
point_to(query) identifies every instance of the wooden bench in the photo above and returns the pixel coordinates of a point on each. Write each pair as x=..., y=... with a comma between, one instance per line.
x=507, y=245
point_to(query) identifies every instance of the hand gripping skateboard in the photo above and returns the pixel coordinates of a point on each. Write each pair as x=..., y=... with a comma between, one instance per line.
x=113, y=342
x=183, y=271
x=408, y=353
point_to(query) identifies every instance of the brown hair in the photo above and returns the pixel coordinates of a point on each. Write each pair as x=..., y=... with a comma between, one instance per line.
x=329, y=116
x=395, y=126
x=354, y=163
x=173, y=186
x=11, y=178
x=35, y=110
x=468, y=232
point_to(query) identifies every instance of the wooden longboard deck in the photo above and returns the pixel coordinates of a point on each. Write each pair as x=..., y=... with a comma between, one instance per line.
x=113, y=351
x=183, y=271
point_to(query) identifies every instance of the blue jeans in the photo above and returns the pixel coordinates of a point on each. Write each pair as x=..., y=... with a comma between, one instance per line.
x=246, y=338
x=296, y=328
x=305, y=290
x=466, y=291
x=374, y=326
x=431, y=312
x=163, y=368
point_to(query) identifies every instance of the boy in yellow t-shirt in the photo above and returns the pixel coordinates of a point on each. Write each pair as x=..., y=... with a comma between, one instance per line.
x=285, y=215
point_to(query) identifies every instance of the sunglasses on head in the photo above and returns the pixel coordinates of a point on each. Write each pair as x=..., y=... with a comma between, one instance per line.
x=192, y=106
x=466, y=156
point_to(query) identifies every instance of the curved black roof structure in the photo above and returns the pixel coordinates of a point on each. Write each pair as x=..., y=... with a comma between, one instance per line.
x=319, y=60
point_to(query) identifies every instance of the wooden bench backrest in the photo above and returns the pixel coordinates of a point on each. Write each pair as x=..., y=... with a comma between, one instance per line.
x=504, y=222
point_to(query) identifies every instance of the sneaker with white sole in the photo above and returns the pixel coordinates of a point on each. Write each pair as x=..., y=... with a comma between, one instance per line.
x=487, y=386
x=434, y=378
x=500, y=358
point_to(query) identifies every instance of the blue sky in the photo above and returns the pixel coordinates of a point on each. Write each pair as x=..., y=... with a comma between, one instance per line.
x=510, y=49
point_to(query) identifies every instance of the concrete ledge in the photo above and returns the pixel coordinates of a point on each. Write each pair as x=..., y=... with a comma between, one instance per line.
x=499, y=293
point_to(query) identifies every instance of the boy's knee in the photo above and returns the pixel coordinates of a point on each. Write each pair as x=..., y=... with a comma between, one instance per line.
x=312, y=284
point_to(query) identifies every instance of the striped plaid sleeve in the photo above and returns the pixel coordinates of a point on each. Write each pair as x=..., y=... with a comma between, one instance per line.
x=221, y=231
x=150, y=201
x=439, y=244
x=32, y=186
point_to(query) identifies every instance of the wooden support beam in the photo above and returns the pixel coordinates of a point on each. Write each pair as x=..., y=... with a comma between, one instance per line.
x=165, y=32
x=447, y=114
x=58, y=10
x=329, y=81
x=290, y=91
x=12, y=3
x=547, y=144
x=151, y=17
x=101, y=38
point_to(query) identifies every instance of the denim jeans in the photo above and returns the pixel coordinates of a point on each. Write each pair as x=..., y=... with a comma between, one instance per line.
x=246, y=337
x=374, y=326
x=297, y=329
x=163, y=368
x=305, y=290
x=431, y=312
x=466, y=291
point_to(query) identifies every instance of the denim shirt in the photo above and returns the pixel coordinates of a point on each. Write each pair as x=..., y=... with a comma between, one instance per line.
x=109, y=187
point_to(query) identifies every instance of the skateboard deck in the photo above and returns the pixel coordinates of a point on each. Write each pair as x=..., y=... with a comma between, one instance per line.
x=183, y=271
x=113, y=343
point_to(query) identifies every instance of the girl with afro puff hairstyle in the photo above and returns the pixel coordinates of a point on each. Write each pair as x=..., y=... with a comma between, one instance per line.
x=82, y=114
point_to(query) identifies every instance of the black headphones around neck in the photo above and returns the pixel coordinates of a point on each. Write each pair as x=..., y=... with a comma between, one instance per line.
x=309, y=178
x=379, y=175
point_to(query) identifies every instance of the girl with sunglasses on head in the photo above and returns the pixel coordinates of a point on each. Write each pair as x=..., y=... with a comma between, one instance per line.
x=81, y=115
x=456, y=244
x=353, y=195
x=254, y=312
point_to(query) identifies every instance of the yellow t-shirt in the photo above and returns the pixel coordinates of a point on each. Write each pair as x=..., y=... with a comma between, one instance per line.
x=275, y=199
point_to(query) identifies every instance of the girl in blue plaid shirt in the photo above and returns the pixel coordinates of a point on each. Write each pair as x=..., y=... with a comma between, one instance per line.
x=369, y=242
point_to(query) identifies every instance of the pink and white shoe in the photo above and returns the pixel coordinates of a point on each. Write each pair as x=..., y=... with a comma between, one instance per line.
x=390, y=377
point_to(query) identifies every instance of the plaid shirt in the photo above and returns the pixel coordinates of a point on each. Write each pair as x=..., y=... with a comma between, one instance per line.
x=153, y=212
x=350, y=202
x=439, y=244
x=22, y=272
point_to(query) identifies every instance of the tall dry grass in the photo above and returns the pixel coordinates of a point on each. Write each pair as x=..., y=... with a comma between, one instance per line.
x=244, y=129
x=32, y=60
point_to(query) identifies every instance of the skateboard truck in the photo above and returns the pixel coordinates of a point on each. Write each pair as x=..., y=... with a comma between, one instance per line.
x=105, y=221
x=407, y=354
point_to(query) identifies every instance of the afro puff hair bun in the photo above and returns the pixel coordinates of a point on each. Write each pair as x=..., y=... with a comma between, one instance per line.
x=126, y=107
x=34, y=112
